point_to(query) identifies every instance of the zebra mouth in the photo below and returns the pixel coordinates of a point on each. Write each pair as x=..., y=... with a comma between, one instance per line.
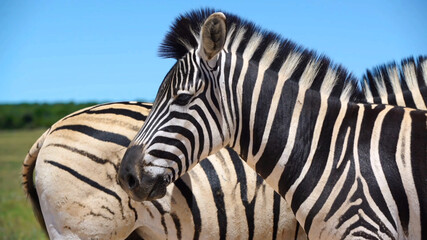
x=148, y=189
x=158, y=191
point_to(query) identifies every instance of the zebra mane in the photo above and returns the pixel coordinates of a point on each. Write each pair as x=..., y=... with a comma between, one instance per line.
x=184, y=36
x=393, y=79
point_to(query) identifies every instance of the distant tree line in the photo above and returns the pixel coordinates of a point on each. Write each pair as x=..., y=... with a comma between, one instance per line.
x=16, y=116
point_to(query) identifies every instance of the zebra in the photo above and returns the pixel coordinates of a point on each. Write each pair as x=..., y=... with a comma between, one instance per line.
x=76, y=195
x=82, y=126
x=347, y=168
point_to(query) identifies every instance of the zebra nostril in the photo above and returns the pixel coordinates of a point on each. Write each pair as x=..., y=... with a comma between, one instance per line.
x=132, y=183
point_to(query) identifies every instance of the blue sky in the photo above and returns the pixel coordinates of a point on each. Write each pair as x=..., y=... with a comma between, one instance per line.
x=60, y=51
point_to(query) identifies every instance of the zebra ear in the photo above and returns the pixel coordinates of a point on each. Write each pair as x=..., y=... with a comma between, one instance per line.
x=213, y=35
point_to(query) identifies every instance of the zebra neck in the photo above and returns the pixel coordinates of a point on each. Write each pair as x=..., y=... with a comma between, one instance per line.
x=269, y=128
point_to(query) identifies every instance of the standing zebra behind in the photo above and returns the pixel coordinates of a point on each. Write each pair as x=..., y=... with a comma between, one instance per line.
x=348, y=169
x=76, y=195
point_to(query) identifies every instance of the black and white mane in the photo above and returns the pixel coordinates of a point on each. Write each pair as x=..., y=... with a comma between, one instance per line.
x=184, y=37
x=389, y=80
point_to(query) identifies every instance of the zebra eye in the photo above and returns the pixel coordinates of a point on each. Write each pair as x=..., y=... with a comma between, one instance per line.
x=182, y=99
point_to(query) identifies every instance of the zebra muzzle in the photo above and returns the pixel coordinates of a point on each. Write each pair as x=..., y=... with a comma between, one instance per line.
x=140, y=185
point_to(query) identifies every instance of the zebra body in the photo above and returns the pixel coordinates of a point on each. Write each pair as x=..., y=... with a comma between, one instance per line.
x=348, y=169
x=76, y=194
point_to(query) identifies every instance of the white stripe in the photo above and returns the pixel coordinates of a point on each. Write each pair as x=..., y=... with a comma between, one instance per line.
x=265, y=62
x=285, y=73
x=382, y=91
x=227, y=116
x=309, y=74
x=228, y=38
x=346, y=93
x=411, y=80
x=247, y=55
x=367, y=91
x=424, y=70
x=396, y=85
x=376, y=164
x=274, y=177
x=344, y=147
x=328, y=82
x=235, y=44
x=404, y=164
x=311, y=200
x=320, y=217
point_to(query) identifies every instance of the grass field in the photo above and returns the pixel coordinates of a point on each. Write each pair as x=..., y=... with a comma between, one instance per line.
x=16, y=217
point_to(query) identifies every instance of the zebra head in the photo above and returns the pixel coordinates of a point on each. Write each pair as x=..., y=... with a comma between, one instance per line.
x=186, y=123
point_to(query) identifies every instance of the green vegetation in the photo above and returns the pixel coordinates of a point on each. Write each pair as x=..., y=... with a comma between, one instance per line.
x=29, y=116
x=16, y=216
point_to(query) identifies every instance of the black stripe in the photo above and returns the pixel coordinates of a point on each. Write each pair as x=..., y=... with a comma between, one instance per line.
x=108, y=209
x=349, y=122
x=192, y=204
x=218, y=196
x=237, y=72
x=363, y=234
x=208, y=103
x=343, y=192
x=133, y=209
x=78, y=113
x=320, y=159
x=423, y=91
x=144, y=105
x=296, y=231
x=177, y=223
x=279, y=130
x=85, y=179
x=172, y=142
x=247, y=92
x=419, y=164
x=162, y=214
x=168, y=156
x=241, y=178
x=305, y=58
x=354, y=210
x=302, y=148
x=205, y=120
x=84, y=153
x=195, y=123
x=420, y=71
x=264, y=101
x=99, y=215
x=187, y=134
x=97, y=134
x=227, y=72
x=389, y=137
x=276, y=214
x=364, y=149
x=118, y=111
x=407, y=95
